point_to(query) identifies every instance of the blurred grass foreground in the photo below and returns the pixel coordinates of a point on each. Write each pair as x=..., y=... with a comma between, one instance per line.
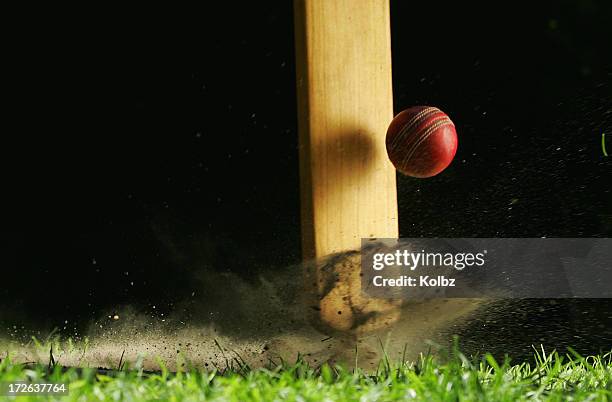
x=451, y=377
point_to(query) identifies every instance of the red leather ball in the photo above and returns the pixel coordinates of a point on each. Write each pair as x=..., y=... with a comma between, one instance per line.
x=421, y=141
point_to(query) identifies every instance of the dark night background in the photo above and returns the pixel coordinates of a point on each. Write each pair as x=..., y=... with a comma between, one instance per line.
x=136, y=151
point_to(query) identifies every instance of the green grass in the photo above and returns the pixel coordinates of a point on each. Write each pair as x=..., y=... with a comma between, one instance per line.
x=452, y=378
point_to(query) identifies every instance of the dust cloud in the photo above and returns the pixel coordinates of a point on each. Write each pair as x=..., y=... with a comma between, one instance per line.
x=272, y=317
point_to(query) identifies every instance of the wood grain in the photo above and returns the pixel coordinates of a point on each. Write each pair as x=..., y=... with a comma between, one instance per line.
x=345, y=103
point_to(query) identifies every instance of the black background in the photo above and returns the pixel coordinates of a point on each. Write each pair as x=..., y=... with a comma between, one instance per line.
x=137, y=150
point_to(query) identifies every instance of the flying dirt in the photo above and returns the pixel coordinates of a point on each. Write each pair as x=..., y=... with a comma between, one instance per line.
x=258, y=322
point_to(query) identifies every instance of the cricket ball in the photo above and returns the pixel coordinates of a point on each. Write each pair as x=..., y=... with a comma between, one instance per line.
x=421, y=141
